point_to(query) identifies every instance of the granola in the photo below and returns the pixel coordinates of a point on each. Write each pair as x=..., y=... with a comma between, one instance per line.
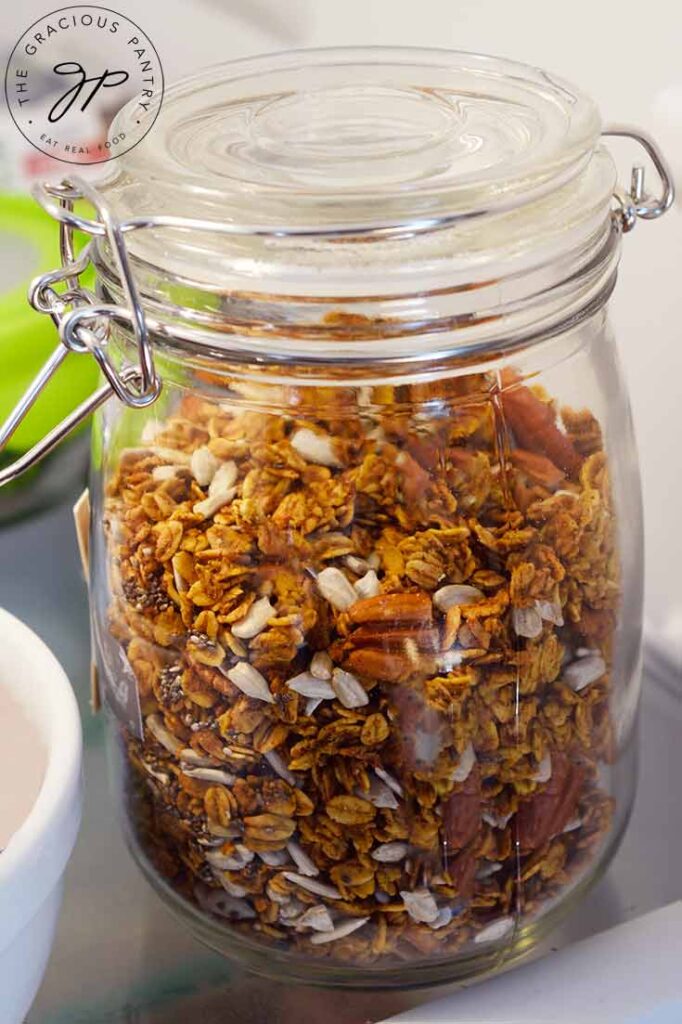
x=373, y=641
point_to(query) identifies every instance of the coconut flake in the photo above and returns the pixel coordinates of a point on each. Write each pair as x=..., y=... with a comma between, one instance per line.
x=164, y=736
x=495, y=931
x=249, y=680
x=573, y=824
x=544, y=772
x=550, y=611
x=368, y=585
x=348, y=689
x=321, y=665
x=302, y=860
x=203, y=465
x=276, y=762
x=389, y=780
x=527, y=622
x=317, y=448
x=309, y=685
x=456, y=593
x=584, y=671
x=390, y=853
x=339, y=932
x=151, y=431
x=466, y=763
x=312, y=885
x=336, y=589
x=318, y=918
x=420, y=905
x=255, y=620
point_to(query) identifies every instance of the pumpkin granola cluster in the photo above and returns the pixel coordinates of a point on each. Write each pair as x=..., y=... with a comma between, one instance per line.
x=372, y=639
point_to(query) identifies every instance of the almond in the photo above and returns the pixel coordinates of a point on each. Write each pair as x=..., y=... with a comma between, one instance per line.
x=392, y=608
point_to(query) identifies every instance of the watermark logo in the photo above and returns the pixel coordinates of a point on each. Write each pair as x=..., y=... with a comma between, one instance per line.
x=71, y=72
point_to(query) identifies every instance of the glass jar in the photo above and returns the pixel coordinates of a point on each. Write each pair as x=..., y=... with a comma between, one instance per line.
x=366, y=577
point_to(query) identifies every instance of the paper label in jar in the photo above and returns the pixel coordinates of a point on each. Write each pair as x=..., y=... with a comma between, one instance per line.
x=117, y=682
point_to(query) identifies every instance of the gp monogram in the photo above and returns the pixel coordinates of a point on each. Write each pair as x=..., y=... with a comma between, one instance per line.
x=68, y=75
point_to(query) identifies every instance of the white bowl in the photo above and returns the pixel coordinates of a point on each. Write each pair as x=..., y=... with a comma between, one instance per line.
x=32, y=865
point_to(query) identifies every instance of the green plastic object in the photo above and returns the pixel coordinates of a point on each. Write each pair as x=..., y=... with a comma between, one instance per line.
x=26, y=337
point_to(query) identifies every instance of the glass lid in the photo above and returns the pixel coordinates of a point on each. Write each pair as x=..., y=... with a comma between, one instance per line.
x=351, y=137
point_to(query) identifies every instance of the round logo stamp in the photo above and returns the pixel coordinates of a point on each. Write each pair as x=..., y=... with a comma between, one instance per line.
x=70, y=74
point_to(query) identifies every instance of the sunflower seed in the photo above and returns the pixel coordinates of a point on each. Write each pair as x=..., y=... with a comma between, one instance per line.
x=495, y=931
x=274, y=858
x=389, y=780
x=357, y=565
x=218, y=775
x=390, y=853
x=318, y=918
x=166, y=738
x=584, y=671
x=161, y=473
x=249, y=680
x=311, y=885
x=314, y=447
x=234, y=890
x=550, y=611
x=222, y=903
x=203, y=465
x=209, y=506
x=444, y=917
x=235, y=861
x=312, y=704
x=420, y=905
x=456, y=593
x=379, y=794
x=302, y=860
x=544, y=772
x=466, y=763
x=527, y=622
x=276, y=762
x=310, y=686
x=255, y=620
x=350, y=692
x=339, y=932
x=190, y=757
x=368, y=585
x=488, y=869
x=290, y=912
x=496, y=820
x=336, y=589
x=321, y=665
x=172, y=455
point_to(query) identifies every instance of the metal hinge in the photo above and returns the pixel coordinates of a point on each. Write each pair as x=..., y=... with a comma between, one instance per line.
x=84, y=324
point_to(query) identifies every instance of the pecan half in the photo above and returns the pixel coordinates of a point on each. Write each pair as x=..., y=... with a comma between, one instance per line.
x=534, y=426
x=548, y=812
x=462, y=813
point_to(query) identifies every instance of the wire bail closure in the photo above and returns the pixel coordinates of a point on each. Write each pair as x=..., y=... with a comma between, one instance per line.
x=84, y=324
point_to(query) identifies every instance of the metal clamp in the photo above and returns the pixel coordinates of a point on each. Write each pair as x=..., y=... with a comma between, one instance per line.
x=84, y=324
x=637, y=203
